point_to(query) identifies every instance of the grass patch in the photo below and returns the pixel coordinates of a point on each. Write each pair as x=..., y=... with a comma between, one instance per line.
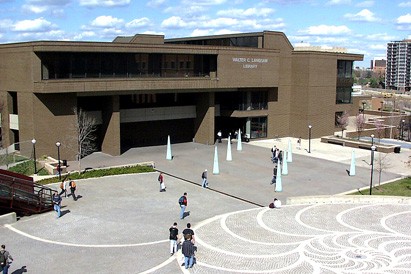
x=95, y=173
x=401, y=187
x=9, y=159
x=27, y=168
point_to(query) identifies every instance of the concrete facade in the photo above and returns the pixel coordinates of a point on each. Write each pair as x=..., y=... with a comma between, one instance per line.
x=184, y=91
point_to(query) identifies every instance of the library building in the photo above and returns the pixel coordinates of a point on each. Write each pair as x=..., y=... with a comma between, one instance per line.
x=141, y=89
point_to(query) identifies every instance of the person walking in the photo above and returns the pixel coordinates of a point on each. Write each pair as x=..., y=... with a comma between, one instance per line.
x=219, y=136
x=63, y=187
x=274, y=179
x=161, y=181
x=5, y=260
x=183, y=204
x=73, y=187
x=188, y=250
x=173, y=239
x=299, y=143
x=189, y=231
x=57, y=204
x=204, y=177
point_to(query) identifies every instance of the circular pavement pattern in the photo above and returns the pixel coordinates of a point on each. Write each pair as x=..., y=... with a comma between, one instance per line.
x=321, y=238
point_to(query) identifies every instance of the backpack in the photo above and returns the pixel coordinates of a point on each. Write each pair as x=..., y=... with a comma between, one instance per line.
x=3, y=259
x=173, y=233
x=181, y=200
x=61, y=185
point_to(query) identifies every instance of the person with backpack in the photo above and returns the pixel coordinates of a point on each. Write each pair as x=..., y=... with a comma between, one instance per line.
x=73, y=186
x=63, y=187
x=183, y=204
x=173, y=239
x=4, y=259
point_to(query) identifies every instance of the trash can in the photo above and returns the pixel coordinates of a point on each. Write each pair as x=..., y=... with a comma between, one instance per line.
x=64, y=162
x=397, y=149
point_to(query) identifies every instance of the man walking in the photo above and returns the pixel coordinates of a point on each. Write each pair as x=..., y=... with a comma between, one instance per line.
x=188, y=250
x=183, y=204
x=204, y=177
x=5, y=258
x=63, y=187
x=57, y=204
x=173, y=239
x=189, y=231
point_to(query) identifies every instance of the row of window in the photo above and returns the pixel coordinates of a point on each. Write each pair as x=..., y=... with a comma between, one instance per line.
x=66, y=65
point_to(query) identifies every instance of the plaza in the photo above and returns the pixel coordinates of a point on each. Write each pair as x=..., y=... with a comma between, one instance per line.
x=120, y=223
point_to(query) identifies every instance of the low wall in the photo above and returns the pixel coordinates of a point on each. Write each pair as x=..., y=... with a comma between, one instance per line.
x=8, y=218
x=359, y=144
x=348, y=199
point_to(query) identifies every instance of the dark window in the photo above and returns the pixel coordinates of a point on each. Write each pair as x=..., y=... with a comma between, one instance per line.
x=344, y=68
x=343, y=95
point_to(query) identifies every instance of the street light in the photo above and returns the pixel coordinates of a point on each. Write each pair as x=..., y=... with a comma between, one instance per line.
x=382, y=105
x=309, y=138
x=373, y=148
x=58, y=144
x=372, y=139
x=34, y=155
x=402, y=129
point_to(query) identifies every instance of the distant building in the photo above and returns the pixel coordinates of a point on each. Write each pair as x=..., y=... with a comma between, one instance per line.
x=378, y=66
x=398, y=65
x=143, y=88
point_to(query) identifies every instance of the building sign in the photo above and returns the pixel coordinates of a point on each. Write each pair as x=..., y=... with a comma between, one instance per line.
x=250, y=63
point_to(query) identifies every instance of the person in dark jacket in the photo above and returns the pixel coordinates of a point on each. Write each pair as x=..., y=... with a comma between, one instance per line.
x=188, y=250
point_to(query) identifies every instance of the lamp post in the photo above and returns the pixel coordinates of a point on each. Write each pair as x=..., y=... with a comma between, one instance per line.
x=309, y=138
x=34, y=155
x=372, y=166
x=402, y=129
x=382, y=105
x=363, y=110
x=58, y=144
x=372, y=139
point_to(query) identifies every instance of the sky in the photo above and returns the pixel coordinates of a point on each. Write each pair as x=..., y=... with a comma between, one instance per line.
x=363, y=27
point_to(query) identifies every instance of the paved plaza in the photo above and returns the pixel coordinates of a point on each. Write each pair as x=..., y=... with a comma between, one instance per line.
x=120, y=224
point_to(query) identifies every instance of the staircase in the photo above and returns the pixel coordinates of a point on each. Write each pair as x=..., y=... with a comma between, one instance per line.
x=18, y=193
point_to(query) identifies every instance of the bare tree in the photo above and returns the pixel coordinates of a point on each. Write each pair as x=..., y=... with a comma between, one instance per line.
x=382, y=164
x=359, y=122
x=342, y=122
x=380, y=129
x=85, y=128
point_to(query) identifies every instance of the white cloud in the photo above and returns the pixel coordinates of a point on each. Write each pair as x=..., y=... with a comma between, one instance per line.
x=326, y=30
x=155, y=3
x=365, y=4
x=84, y=34
x=40, y=6
x=104, y=3
x=404, y=5
x=201, y=32
x=173, y=22
x=5, y=24
x=138, y=23
x=106, y=22
x=338, y=2
x=364, y=15
x=203, y=2
x=404, y=19
x=378, y=46
x=380, y=37
x=36, y=25
x=240, y=13
x=221, y=22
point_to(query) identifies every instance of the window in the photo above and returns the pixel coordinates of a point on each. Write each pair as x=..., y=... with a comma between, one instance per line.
x=344, y=69
x=343, y=95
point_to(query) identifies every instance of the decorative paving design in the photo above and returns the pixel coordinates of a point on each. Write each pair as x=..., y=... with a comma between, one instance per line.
x=322, y=238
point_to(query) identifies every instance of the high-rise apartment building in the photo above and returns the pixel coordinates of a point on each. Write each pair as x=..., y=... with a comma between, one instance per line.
x=398, y=65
